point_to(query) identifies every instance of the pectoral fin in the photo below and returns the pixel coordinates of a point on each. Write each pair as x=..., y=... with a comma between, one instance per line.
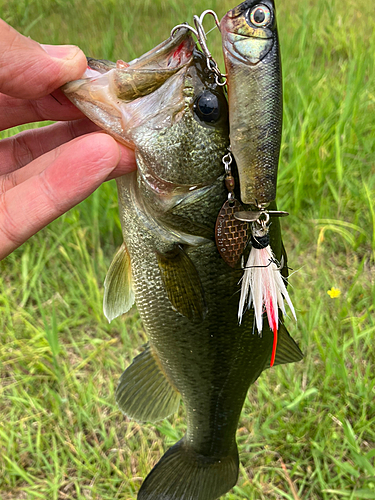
x=143, y=392
x=182, y=283
x=118, y=289
x=287, y=351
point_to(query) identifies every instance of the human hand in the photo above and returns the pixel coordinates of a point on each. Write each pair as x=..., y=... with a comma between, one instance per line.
x=46, y=171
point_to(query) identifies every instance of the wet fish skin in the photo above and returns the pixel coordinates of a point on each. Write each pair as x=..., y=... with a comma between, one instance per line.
x=253, y=67
x=185, y=293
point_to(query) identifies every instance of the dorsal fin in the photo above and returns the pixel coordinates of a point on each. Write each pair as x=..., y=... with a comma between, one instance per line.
x=118, y=289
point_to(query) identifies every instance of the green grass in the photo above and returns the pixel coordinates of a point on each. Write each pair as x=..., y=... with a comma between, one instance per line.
x=307, y=430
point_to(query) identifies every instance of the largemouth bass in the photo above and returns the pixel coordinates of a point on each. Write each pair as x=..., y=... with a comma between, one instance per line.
x=252, y=61
x=185, y=293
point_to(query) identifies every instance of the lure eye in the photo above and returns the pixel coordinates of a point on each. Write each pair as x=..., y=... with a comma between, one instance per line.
x=207, y=107
x=260, y=16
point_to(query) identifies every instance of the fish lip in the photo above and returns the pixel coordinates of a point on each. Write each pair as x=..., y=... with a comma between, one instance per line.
x=174, y=53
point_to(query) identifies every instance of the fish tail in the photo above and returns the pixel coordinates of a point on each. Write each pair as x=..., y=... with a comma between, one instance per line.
x=182, y=473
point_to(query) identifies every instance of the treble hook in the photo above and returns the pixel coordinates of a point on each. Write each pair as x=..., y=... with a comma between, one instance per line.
x=201, y=37
x=211, y=63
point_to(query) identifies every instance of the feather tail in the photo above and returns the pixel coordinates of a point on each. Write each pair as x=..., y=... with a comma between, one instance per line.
x=263, y=287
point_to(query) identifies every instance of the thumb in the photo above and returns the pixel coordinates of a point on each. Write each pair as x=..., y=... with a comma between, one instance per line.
x=29, y=70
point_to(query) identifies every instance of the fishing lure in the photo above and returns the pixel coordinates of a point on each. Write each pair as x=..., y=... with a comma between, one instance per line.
x=262, y=284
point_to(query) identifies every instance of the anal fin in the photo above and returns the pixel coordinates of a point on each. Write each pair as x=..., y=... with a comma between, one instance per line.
x=143, y=392
x=287, y=350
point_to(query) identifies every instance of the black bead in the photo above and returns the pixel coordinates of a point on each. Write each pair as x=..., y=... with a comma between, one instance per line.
x=207, y=107
x=260, y=242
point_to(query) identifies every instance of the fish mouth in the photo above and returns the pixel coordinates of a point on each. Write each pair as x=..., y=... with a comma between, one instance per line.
x=172, y=54
x=107, y=87
x=154, y=67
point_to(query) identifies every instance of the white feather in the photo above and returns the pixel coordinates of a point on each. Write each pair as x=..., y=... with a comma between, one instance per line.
x=263, y=286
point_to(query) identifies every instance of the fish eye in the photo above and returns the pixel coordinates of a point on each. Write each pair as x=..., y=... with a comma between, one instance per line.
x=260, y=16
x=207, y=107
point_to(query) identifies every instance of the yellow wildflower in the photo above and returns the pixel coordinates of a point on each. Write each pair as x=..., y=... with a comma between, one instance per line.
x=334, y=293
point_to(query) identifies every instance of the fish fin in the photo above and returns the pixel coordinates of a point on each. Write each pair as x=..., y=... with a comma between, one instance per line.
x=118, y=288
x=182, y=283
x=287, y=350
x=182, y=473
x=144, y=393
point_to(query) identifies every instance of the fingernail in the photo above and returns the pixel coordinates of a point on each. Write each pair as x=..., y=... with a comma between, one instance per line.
x=66, y=52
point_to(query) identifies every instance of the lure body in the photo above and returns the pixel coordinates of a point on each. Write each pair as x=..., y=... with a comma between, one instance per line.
x=252, y=60
x=253, y=67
